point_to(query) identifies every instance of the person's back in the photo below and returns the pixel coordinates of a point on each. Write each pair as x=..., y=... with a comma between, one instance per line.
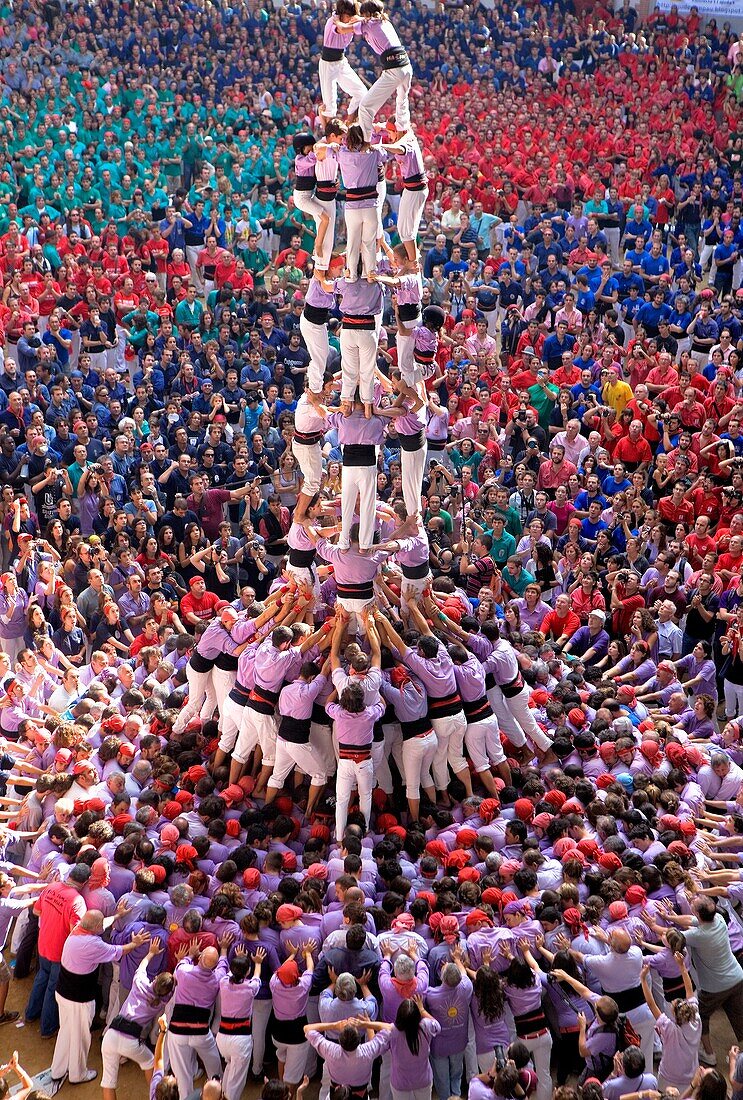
x=716, y=966
x=61, y=907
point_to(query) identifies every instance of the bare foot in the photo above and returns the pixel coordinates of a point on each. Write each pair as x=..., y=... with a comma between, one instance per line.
x=346, y=408
x=368, y=410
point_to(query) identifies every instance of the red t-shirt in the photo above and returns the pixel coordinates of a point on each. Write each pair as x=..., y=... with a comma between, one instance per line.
x=203, y=608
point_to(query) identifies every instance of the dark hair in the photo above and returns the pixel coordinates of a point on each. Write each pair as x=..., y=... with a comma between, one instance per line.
x=408, y=1020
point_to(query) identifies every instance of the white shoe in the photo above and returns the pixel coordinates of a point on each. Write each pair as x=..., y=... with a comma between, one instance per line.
x=55, y=1085
x=89, y=1075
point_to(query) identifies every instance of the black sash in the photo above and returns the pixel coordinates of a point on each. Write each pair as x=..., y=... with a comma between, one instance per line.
x=359, y=322
x=413, y=442
x=319, y=715
x=395, y=58
x=414, y=183
x=262, y=700
x=512, y=689
x=360, y=194
x=240, y=694
x=307, y=439
x=304, y=183
x=201, y=664
x=190, y=1020
x=227, y=662
x=627, y=999
x=295, y=730
x=409, y=311
x=363, y=590
x=476, y=710
x=235, y=1025
x=531, y=1022
x=359, y=454
x=415, y=728
x=316, y=315
x=127, y=1027
x=290, y=1032
x=445, y=706
x=77, y=987
x=301, y=559
x=329, y=53
x=326, y=190
x=415, y=572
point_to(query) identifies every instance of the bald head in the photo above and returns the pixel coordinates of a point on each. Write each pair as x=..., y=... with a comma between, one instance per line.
x=209, y=958
x=354, y=894
x=92, y=921
x=620, y=941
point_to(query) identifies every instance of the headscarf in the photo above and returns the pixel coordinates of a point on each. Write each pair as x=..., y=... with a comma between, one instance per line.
x=288, y=973
x=618, y=910
x=100, y=874
x=404, y=923
x=187, y=855
x=574, y=922
x=170, y=838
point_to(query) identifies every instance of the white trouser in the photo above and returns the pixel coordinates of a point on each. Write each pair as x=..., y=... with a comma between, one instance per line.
x=116, y=995
x=267, y=731
x=117, y=1048
x=230, y=717
x=410, y=213
x=260, y=1017
x=236, y=1050
x=358, y=364
x=316, y=341
x=43, y=323
x=192, y=253
x=541, y=1050
x=450, y=737
x=223, y=681
x=339, y=74
x=350, y=775
x=380, y=760
x=73, y=1039
x=733, y=699
x=120, y=347
x=516, y=719
x=417, y=758
x=413, y=469
x=308, y=204
x=406, y=359
x=325, y=255
x=480, y=743
x=706, y=253
x=612, y=238
x=13, y=646
x=355, y=609
x=321, y=740
x=309, y=460
x=415, y=588
x=201, y=698
x=294, y=1059
x=361, y=239
x=358, y=481
x=303, y=575
x=290, y=756
x=390, y=82
x=381, y=200
x=254, y=727
x=185, y=1051
x=644, y=1024
x=98, y=361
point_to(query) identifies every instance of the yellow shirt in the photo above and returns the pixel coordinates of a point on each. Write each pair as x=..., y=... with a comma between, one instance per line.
x=617, y=394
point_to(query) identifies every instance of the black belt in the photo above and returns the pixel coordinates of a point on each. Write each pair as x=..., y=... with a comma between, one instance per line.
x=240, y=694
x=316, y=315
x=395, y=58
x=304, y=183
x=415, y=572
x=201, y=664
x=361, y=590
x=190, y=1020
x=127, y=1027
x=320, y=715
x=77, y=987
x=227, y=662
x=301, y=559
x=357, y=753
x=627, y=999
x=530, y=1023
x=513, y=688
x=445, y=706
x=326, y=190
x=295, y=730
x=409, y=311
x=307, y=439
x=235, y=1025
x=359, y=454
x=413, y=441
x=417, y=727
x=360, y=194
x=329, y=53
x=414, y=183
x=358, y=321
x=263, y=700
x=476, y=710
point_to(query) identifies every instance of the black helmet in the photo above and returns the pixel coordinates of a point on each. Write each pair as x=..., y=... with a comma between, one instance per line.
x=301, y=141
x=434, y=317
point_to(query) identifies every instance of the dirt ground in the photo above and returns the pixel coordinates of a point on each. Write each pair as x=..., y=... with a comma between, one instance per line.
x=35, y=1055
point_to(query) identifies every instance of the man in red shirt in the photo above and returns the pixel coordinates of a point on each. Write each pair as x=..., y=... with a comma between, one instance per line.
x=560, y=623
x=198, y=605
x=634, y=450
x=675, y=509
x=699, y=542
x=60, y=908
